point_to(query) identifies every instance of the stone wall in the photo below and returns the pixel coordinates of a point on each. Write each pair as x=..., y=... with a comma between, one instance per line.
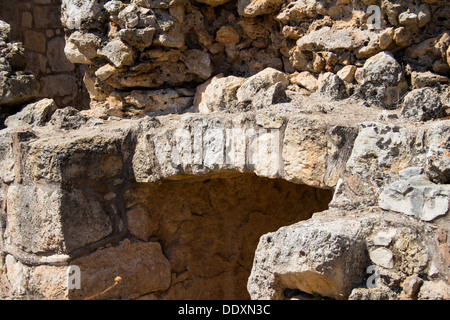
x=134, y=47
x=37, y=24
x=252, y=148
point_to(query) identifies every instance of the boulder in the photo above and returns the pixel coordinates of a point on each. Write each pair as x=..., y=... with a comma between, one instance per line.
x=218, y=93
x=260, y=83
x=331, y=86
x=75, y=12
x=304, y=79
x=422, y=105
x=311, y=256
x=382, y=81
x=33, y=114
x=118, y=53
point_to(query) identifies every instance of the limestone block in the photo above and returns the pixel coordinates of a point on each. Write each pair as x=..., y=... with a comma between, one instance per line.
x=310, y=256
x=416, y=197
x=141, y=265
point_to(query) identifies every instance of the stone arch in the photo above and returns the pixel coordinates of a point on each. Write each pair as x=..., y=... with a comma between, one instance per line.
x=209, y=226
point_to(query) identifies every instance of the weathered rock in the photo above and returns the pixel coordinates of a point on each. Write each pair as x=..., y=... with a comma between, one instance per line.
x=310, y=256
x=411, y=287
x=118, y=53
x=5, y=30
x=430, y=50
x=253, y=8
x=372, y=294
x=297, y=11
x=207, y=174
x=16, y=86
x=113, y=7
x=74, y=55
x=382, y=257
x=331, y=86
x=67, y=118
x=150, y=271
x=34, y=114
x=261, y=83
x=75, y=12
x=382, y=81
x=377, y=145
x=305, y=79
x=164, y=100
x=386, y=38
x=198, y=63
x=219, y=93
x=434, y=290
x=437, y=160
x=128, y=17
x=138, y=38
x=417, y=197
x=422, y=105
x=227, y=35
x=82, y=47
x=347, y=73
x=331, y=40
x=305, y=152
x=427, y=79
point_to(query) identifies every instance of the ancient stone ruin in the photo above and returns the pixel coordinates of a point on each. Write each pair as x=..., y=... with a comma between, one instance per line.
x=225, y=149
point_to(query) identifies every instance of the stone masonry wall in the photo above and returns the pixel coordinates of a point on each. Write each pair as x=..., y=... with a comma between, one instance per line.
x=259, y=149
x=37, y=24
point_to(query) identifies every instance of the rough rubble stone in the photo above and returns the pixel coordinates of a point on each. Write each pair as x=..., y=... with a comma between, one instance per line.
x=422, y=105
x=118, y=53
x=76, y=12
x=34, y=114
x=331, y=40
x=16, y=86
x=66, y=118
x=253, y=8
x=218, y=93
x=310, y=256
x=427, y=79
x=260, y=83
x=208, y=128
x=417, y=197
x=382, y=81
x=437, y=160
x=331, y=86
x=5, y=30
x=82, y=47
x=305, y=79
